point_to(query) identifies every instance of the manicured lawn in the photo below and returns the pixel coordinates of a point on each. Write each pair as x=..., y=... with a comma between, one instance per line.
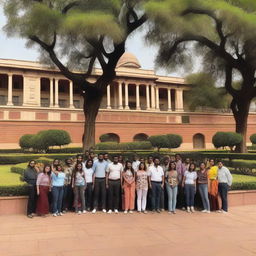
x=243, y=178
x=7, y=178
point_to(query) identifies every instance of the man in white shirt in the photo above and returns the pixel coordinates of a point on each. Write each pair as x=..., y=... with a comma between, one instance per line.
x=113, y=183
x=156, y=183
x=135, y=163
x=225, y=181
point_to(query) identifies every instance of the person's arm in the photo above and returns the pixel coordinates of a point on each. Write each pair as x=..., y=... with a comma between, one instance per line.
x=38, y=180
x=183, y=180
x=107, y=175
x=162, y=185
x=93, y=180
x=121, y=175
x=229, y=177
x=149, y=179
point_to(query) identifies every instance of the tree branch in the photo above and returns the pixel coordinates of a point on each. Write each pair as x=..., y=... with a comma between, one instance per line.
x=69, y=6
x=229, y=80
x=134, y=25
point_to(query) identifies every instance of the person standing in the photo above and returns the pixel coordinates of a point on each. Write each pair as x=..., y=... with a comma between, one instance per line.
x=113, y=183
x=129, y=187
x=135, y=163
x=67, y=189
x=89, y=177
x=189, y=182
x=156, y=183
x=213, y=186
x=172, y=187
x=43, y=185
x=30, y=177
x=165, y=165
x=79, y=184
x=99, y=169
x=203, y=182
x=180, y=170
x=225, y=181
x=58, y=180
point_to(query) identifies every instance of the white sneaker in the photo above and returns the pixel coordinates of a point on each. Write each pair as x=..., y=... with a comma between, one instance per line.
x=130, y=211
x=116, y=211
x=125, y=212
x=208, y=211
x=204, y=211
x=61, y=214
x=104, y=210
x=188, y=210
x=109, y=211
x=219, y=211
x=224, y=212
x=94, y=211
x=84, y=211
x=79, y=212
x=55, y=215
x=192, y=209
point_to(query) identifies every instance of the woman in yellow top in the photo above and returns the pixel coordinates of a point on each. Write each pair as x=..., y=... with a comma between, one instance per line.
x=213, y=186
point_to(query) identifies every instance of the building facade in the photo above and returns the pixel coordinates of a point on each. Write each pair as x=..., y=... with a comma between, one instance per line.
x=138, y=104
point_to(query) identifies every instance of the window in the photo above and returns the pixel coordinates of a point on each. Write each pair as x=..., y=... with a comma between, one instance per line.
x=63, y=103
x=17, y=85
x=77, y=104
x=3, y=100
x=185, y=119
x=45, y=102
x=16, y=101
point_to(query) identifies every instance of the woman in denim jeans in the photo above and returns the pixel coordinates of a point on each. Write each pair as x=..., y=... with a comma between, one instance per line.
x=78, y=184
x=171, y=183
x=203, y=182
x=189, y=182
x=58, y=180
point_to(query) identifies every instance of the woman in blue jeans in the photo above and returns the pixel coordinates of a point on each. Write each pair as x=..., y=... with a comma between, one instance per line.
x=203, y=182
x=189, y=182
x=171, y=182
x=58, y=180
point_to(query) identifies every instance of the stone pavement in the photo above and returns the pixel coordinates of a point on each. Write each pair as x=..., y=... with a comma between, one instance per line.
x=131, y=234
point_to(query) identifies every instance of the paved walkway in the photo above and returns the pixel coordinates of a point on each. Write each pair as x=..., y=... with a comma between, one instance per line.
x=133, y=234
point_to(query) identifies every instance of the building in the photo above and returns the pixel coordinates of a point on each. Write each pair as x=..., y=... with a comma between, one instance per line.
x=138, y=104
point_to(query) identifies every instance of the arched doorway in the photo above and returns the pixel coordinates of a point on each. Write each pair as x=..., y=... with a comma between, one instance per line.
x=140, y=137
x=109, y=137
x=198, y=141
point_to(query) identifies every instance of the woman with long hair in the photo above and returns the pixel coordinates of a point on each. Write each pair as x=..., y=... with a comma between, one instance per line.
x=189, y=182
x=142, y=187
x=78, y=184
x=171, y=182
x=129, y=187
x=43, y=185
x=89, y=177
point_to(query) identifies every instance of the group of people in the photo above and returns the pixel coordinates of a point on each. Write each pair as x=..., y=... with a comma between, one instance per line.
x=96, y=183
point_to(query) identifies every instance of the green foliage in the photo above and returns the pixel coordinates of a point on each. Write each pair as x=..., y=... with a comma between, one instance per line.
x=20, y=190
x=174, y=140
x=25, y=141
x=253, y=138
x=204, y=93
x=159, y=141
x=226, y=139
x=108, y=137
x=243, y=182
x=124, y=146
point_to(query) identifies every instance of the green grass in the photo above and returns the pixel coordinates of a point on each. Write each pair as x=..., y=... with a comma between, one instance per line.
x=243, y=178
x=7, y=178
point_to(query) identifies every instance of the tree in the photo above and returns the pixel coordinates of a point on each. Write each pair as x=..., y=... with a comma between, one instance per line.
x=226, y=139
x=174, y=140
x=223, y=31
x=204, y=93
x=253, y=138
x=159, y=141
x=83, y=33
x=25, y=141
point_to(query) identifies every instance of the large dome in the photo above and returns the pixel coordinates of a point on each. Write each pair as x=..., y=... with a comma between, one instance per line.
x=128, y=60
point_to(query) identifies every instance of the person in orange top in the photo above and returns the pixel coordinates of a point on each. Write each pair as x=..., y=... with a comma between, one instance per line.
x=129, y=187
x=213, y=185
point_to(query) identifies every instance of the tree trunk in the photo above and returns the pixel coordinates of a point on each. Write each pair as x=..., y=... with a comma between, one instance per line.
x=240, y=110
x=92, y=101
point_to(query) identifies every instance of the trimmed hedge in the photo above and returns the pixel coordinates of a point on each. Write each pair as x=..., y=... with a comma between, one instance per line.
x=226, y=139
x=21, y=190
x=243, y=186
x=253, y=138
x=123, y=146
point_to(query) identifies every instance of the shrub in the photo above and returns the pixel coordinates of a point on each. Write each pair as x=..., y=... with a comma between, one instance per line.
x=20, y=190
x=25, y=141
x=226, y=139
x=159, y=141
x=174, y=140
x=124, y=146
x=253, y=138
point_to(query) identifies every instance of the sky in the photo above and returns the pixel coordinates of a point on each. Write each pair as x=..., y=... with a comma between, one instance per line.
x=15, y=48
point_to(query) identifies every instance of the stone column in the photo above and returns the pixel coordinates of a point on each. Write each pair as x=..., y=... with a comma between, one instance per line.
x=71, y=103
x=126, y=96
x=51, y=92
x=108, y=97
x=56, y=105
x=157, y=98
x=120, y=94
x=138, y=97
x=169, y=99
x=9, y=100
x=179, y=100
x=153, y=98
x=147, y=97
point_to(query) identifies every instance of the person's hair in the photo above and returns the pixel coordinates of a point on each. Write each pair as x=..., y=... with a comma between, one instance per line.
x=30, y=162
x=190, y=169
x=220, y=161
x=171, y=165
x=114, y=156
x=100, y=154
x=126, y=167
x=66, y=160
x=79, y=155
x=89, y=160
x=177, y=155
x=76, y=167
x=156, y=157
x=145, y=167
x=47, y=165
x=202, y=163
x=150, y=156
